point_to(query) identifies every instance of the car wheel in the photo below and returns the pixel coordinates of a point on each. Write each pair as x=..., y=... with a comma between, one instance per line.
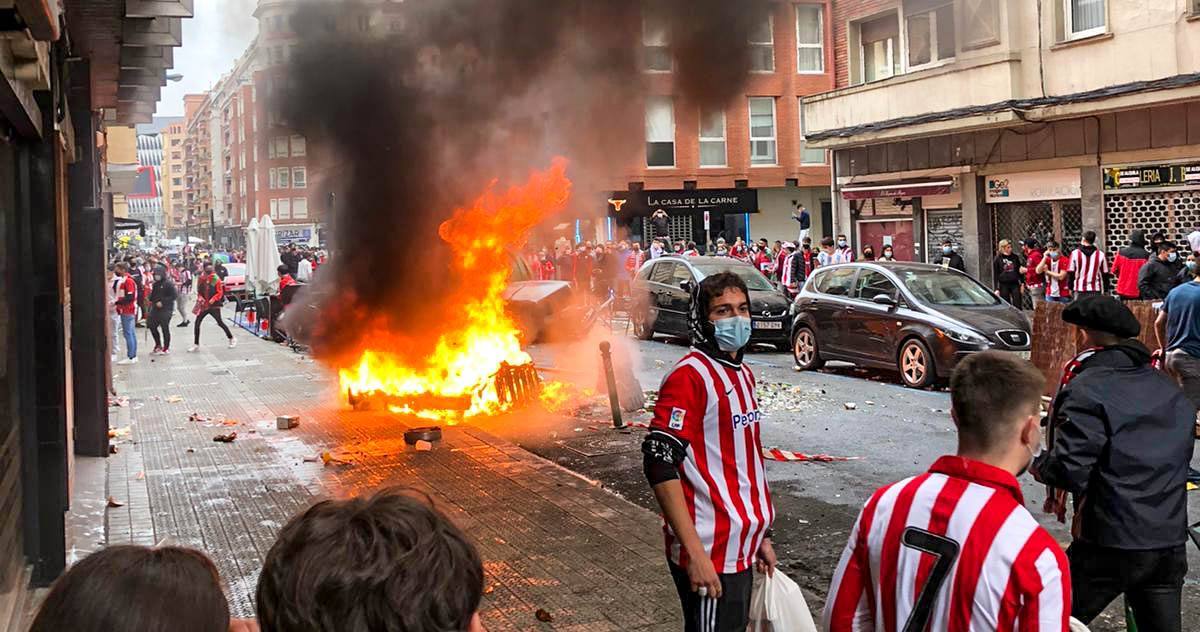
x=916, y=364
x=643, y=329
x=804, y=350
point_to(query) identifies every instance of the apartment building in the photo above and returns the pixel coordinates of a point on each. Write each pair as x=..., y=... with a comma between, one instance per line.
x=980, y=120
x=739, y=170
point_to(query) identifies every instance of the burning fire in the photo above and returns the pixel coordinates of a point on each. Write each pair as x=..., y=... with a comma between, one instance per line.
x=458, y=378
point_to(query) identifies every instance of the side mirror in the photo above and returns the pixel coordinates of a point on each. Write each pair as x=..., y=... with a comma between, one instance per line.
x=884, y=299
x=686, y=286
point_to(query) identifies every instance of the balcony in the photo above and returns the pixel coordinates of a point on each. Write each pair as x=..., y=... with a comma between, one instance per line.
x=915, y=104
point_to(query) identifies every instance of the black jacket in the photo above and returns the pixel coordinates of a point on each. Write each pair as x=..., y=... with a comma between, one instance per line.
x=955, y=259
x=1123, y=441
x=1155, y=279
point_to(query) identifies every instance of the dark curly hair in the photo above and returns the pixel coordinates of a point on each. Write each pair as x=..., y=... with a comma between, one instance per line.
x=387, y=563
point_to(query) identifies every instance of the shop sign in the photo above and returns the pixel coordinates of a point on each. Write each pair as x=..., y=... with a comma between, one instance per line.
x=1151, y=176
x=1057, y=184
x=631, y=204
x=293, y=234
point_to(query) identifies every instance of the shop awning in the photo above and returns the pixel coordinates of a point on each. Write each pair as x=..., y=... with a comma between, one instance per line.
x=897, y=190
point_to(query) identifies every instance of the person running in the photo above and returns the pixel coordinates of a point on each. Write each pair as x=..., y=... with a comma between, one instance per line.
x=715, y=502
x=162, y=304
x=126, y=307
x=210, y=296
x=955, y=548
x=1088, y=265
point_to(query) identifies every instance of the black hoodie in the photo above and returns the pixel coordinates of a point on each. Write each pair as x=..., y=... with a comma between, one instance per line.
x=1123, y=442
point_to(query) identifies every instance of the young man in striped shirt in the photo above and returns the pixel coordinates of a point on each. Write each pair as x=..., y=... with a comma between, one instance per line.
x=703, y=459
x=1088, y=266
x=954, y=548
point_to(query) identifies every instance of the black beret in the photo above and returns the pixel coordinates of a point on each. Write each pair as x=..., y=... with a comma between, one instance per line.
x=1103, y=313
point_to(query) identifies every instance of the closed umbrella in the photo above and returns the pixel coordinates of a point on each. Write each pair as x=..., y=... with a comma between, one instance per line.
x=252, y=256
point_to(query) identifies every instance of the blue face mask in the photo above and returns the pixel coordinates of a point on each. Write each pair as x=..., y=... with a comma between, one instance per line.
x=732, y=333
x=1172, y=257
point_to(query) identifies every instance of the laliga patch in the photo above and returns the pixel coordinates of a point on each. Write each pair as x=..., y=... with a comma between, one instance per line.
x=676, y=421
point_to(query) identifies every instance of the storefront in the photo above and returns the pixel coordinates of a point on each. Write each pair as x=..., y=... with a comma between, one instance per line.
x=892, y=214
x=1151, y=197
x=699, y=215
x=1043, y=205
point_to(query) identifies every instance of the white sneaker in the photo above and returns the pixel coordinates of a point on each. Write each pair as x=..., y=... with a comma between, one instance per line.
x=232, y=342
x=128, y=361
x=193, y=348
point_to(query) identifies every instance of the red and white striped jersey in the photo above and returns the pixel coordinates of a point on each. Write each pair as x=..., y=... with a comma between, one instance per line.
x=951, y=550
x=711, y=405
x=1088, y=270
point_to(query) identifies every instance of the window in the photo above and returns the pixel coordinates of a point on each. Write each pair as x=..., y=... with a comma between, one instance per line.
x=878, y=53
x=660, y=132
x=299, y=208
x=1084, y=18
x=712, y=138
x=656, y=50
x=298, y=145
x=837, y=282
x=285, y=208
x=762, y=46
x=762, y=131
x=281, y=146
x=299, y=178
x=810, y=38
x=283, y=178
x=871, y=284
x=930, y=34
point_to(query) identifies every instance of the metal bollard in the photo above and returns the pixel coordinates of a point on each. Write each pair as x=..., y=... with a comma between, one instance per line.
x=614, y=401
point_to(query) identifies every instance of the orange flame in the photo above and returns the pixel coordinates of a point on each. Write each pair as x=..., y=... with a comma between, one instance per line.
x=471, y=344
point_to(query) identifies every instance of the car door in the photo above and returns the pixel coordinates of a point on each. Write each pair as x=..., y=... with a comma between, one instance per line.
x=869, y=329
x=828, y=306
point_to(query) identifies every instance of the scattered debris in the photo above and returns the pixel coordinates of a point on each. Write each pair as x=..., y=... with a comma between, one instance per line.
x=287, y=422
x=113, y=502
x=543, y=616
x=174, y=399
x=423, y=446
x=851, y=406
x=226, y=438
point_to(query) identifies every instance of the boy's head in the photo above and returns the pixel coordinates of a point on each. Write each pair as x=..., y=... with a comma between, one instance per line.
x=387, y=562
x=995, y=402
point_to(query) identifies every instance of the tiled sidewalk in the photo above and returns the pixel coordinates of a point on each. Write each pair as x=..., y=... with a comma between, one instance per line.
x=550, y=539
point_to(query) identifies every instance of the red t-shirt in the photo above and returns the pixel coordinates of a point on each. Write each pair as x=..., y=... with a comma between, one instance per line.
x=126, y=288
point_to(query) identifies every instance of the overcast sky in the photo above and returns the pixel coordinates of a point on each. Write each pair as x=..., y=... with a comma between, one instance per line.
x=212, y=41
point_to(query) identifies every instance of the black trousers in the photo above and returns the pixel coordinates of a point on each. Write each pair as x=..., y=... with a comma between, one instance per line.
x=730, y=613
x=215, y=312
x=1011, y=293
x=160, y=320
x=1152, y=582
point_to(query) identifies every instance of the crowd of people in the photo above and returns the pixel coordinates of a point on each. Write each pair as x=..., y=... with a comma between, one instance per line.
x=146, y=289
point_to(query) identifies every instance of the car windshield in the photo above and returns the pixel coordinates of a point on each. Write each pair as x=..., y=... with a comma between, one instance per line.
x=943, y=287
x=753, y=278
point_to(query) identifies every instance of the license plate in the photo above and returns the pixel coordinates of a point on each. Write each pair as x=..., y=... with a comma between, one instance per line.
x=767, y=324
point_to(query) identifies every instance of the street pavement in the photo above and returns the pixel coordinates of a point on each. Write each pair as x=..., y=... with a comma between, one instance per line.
x=559, y=552
x=573, y=534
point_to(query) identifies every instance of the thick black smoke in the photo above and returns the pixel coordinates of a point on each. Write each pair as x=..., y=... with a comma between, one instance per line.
x=418, y=115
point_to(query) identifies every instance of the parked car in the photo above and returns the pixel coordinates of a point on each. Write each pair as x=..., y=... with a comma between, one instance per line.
x=660, y=304
x=917, y=318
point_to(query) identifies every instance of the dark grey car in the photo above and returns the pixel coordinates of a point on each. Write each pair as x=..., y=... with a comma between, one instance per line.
x=660, y=304
x=917, y=318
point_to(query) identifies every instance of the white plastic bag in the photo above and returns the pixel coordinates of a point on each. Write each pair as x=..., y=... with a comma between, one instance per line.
x=777, y=605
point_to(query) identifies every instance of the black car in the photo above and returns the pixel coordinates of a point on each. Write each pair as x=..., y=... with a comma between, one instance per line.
x=660, y=304
x=918, y=318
